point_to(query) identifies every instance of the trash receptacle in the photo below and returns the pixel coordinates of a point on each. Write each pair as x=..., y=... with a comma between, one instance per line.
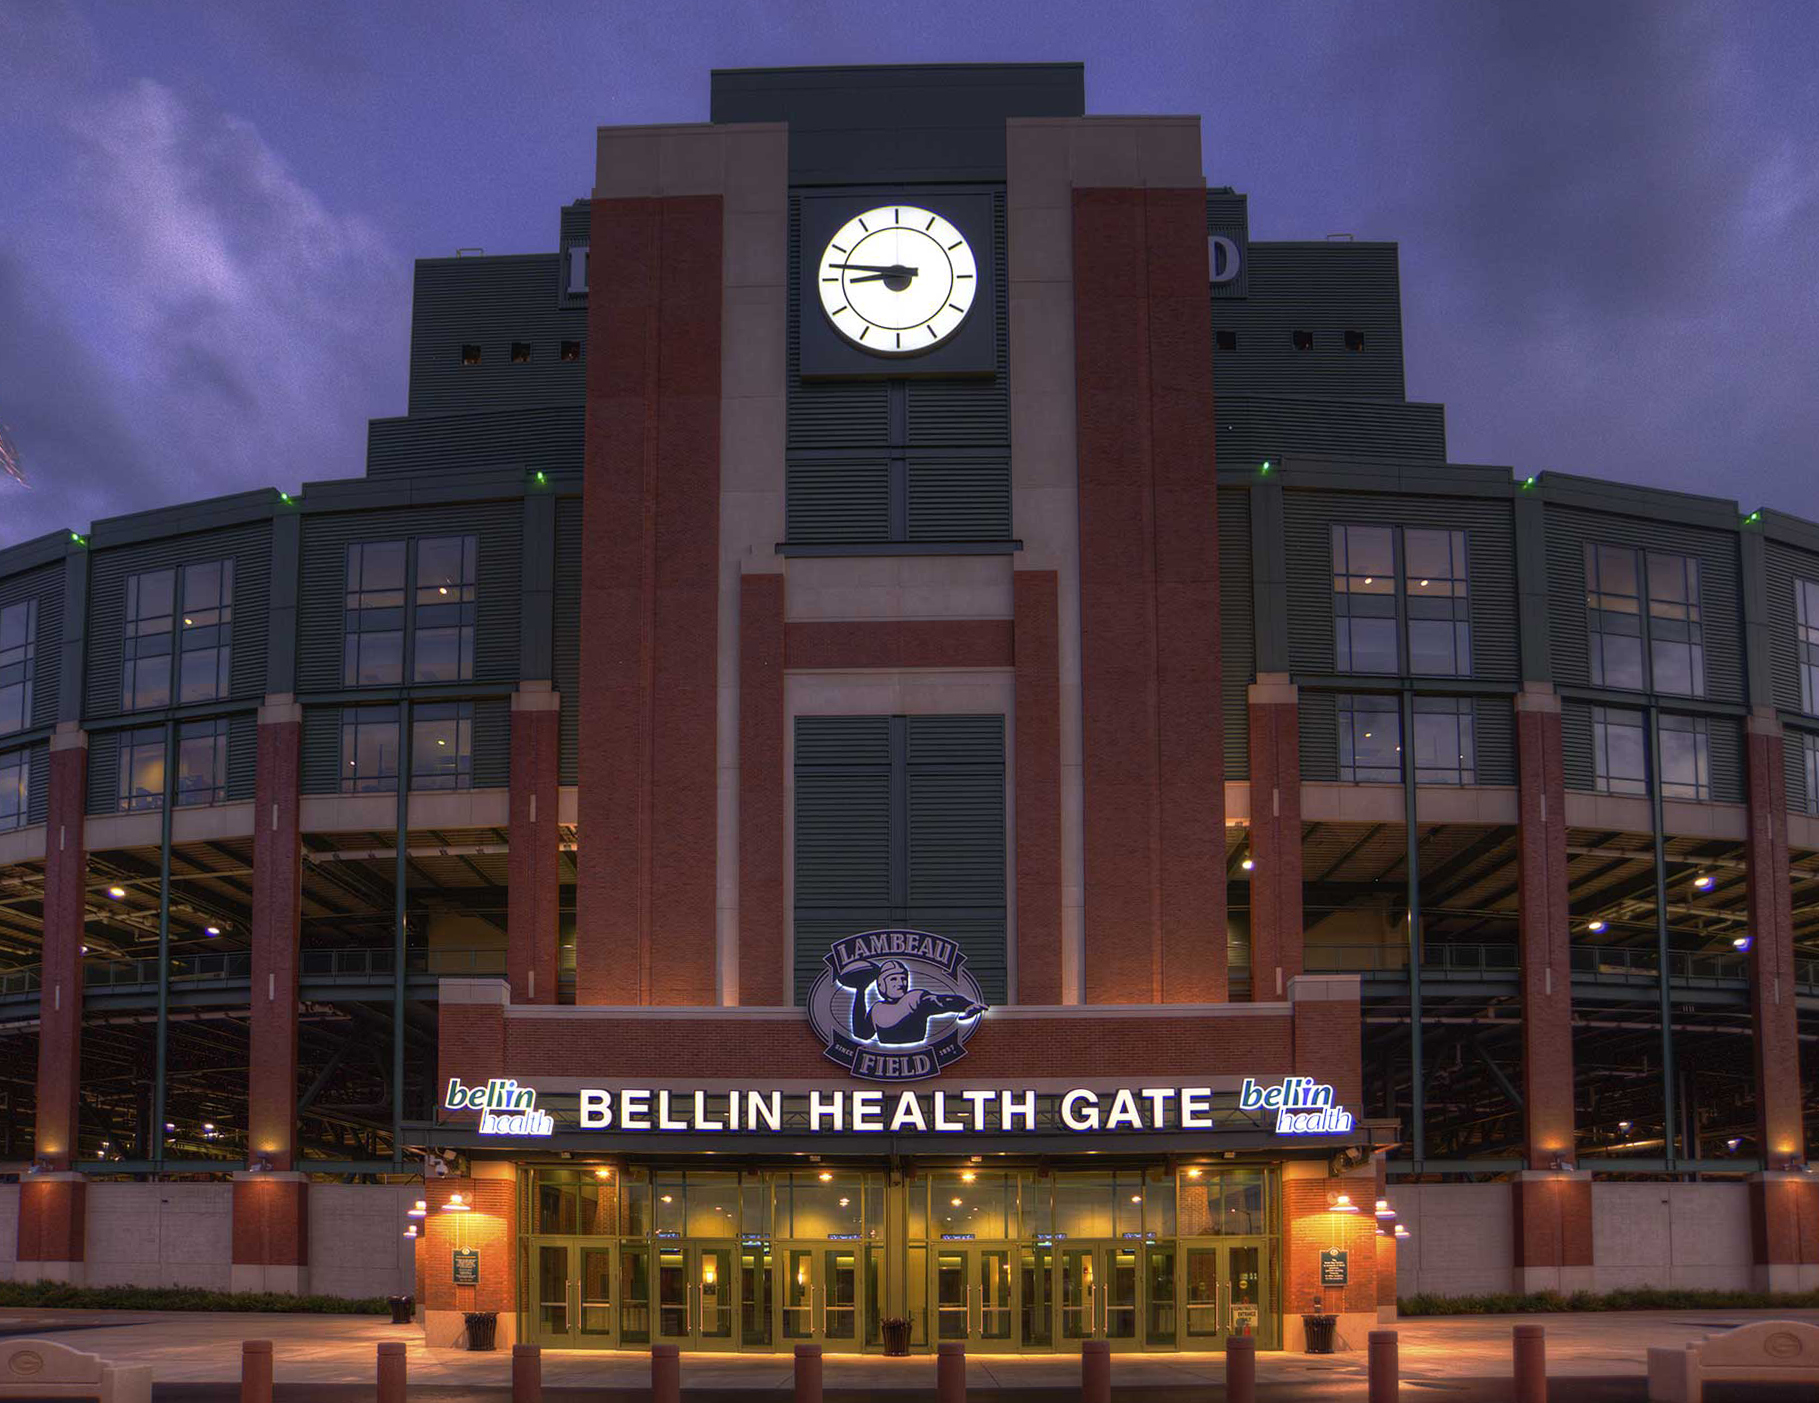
x=482, y=1328
x=896, y=1336
x=403, y=1308
x=1319, y=1330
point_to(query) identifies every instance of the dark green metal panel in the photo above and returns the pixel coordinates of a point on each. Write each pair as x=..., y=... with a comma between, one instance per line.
x=1323, y=288
x=104, y=772
x=242, y=754
x=1726, y=751
x=566, y=636
x=837, y=414
x=492, y=302
x=1491, y=559
x=1785, y=566
x=1793, y=770
x=1494, y=736
x=1319, y=726
x=1237, y=650
x=492, y=740
x=1228, y=215
x=968, y=412
x=1252, y=429
x=37, y=800
x=844, y=498
x=1569, y=529
x=959, y=498
x=248, y=546
x=1576, y=746
x=545, y=438
x=44, y=584
x=320, y=754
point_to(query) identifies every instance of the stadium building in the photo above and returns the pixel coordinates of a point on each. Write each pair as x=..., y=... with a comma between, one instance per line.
x=912, y=727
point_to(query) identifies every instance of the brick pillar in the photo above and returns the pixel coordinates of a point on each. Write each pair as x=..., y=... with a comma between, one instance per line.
x=763, y=825
x=1038, y=781
x=1553, y=1231
x=1276, y=929
x=534, y=868
x=271, y=1207
x=487, y=1226
x=52, y=1203
x=1312, y=1224
x=1784, y=1231
x=1153, y=773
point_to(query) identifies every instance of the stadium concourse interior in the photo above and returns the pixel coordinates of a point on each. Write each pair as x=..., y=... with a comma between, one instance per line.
x=454, y=923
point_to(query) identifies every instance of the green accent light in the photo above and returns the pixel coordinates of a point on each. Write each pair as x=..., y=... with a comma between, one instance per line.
x=1753, y=516
x=77, y=539
x=540, y=476
x=1266, y=466
x=284, y=496
x=1528, y=482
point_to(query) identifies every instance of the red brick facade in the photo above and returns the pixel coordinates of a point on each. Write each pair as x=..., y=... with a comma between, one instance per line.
x=534, y=867
x=900, y=643
x=271, y=1221
x=1149, y=598
x=763, y=825
x=1038, y=788
x=1772, y=1006
x=277, y=928
x=1547, y=982
x=489, y=1226
x=53, y=1219
x=1275, y=843
x=65, y=915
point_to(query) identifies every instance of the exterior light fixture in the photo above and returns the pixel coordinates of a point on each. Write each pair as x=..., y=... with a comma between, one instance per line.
x=1136, y=1198
x=411, y=1231
x=1194, y=1172
x=603, y=1173
x=953, y=1202
x=419, y=1210
x=1402, y=1233
x=169, y=1126
x=667, y=1198
x=844, y=1202
x=211, y=930
x=1743, y=942
x=116, y=892
x=1703, y=882
x=1248, y=864
x=1624, y=1126
x=1733, y=1144
x=455, y=1205
x=284, y=497
x=208, y=1127
x=967, y=1176
x=1595, y=927
x=1266, y=466
x=1342, y=1203
x=825, y=1176
x=1384, y=1211
x=1528, y=482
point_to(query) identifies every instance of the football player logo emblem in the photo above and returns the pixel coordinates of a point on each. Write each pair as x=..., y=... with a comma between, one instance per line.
x=895, y=1005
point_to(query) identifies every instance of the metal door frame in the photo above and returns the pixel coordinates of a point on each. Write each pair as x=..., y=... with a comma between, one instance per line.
x=974, y=1254
x=572, y=1281
x=694, y=1335
x=817, y=1249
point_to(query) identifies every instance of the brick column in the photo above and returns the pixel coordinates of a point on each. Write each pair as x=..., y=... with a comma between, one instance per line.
x=1552, y=1209
x=1153, y=771
x=1781, y=1203
x=1312, y=1224
x=271, y=1206
x=763, y=825
x=534, y=868
x=52, y=1203
x=1038, y=782
x=488, y=1226
x=1276, y=929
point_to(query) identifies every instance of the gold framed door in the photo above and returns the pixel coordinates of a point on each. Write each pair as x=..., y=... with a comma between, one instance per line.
x=975, y=1290
x=1099, y=1293
x=820, y=1294
x=571, y=1301
x=1225, y=1289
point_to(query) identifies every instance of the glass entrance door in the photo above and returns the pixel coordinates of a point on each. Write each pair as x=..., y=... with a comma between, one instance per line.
x=820, y=1294
x=697, y=1290
x=1098, y=1292
x=975, y=1294
x=572, y=1295
x=1223, y=1293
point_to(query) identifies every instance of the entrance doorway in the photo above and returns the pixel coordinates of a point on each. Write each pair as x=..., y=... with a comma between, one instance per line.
x=820, y=1294
x=697, y=1303
x=573, y=1305
x=1224, y=1288
x=975, y=1293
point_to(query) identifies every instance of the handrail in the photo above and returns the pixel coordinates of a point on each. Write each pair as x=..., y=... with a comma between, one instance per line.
x=1595, y=962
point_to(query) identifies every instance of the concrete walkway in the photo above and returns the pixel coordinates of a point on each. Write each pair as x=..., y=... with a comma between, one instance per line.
x=1438, y=1355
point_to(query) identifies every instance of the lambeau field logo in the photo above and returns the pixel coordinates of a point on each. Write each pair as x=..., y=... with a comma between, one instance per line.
x=895, y=1005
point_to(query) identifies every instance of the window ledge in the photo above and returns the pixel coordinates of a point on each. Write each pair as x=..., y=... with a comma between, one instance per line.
x=833, y=548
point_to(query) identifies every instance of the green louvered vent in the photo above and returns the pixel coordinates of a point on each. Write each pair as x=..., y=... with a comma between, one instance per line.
x=567, y=636
x=1494, y=734
x=959, y=499
x=38, y=800
x=250, y=549
x=900, y=821
x=492, y=738
x=320, y=758
x=45, y=584
x=971, y=412
x=844, y=499
x=826, y=413
x=1308, y=519
x=1576, y=746
x=103, y=772
x=1793, y=770
x=1786, y=566
x=242, y=754
x=1327, y=289
x=547, y=439
x=1252, y=429
x=1319, y=724
x=1726, y=749
x=1569, y=529
x=1237, y=645
x=490, y=303
x=321, y=606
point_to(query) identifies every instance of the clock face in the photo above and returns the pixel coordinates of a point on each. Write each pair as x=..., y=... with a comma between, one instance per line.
x=897, y=280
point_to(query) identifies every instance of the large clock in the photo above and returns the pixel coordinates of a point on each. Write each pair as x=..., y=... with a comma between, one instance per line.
x=897, y=280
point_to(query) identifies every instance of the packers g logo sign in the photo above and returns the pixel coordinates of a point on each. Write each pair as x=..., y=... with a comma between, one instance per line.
x=895, y=1005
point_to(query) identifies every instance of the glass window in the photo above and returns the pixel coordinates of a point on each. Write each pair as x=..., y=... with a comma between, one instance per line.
x=1806, y=613
x=979, y=1203
x=1809, y=753
x=442, y=753
x=373, y=654
x=1218, y=1203
x=1439, y=619
x=142, y=769
x=1613, y=607
x=1364, y=599
x=1676, y=639
x=204, y=655
x=201, y=762
x=15, y=789
x=1619, y=755
x=1370, y=740
x=1443, y=741
x=444, y=645
x=1686, y=763
x=369, y=750
x=18, y=644
x=146, y=675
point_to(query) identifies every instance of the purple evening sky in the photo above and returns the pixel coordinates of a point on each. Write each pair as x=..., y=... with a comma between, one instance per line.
x=1608, y=212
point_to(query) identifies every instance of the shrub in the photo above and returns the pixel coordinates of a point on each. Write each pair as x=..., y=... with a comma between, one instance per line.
x=1637, y=1298
x=57, y=1295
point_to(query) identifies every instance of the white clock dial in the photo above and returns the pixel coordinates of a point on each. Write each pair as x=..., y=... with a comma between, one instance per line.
x=897, y=280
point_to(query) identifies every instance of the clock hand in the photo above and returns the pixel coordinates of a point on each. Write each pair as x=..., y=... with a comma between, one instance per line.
x=898, y=273
x=891, y=269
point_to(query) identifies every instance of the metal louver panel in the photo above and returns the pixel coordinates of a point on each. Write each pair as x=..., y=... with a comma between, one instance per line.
x=846, y=499
x=978, y=411
x=320, y=755
x=103, y=772
x=1494, y=736
x=1726, y=749
x=566, y=638
x=1793, y=770
x=38, y=798
x=492, y=740
x=1786, y=566
x=1237, y=643
x=955, y=499
x=242, y=755
x=1319, y=721
x=1576, y=746
x=549, y=439
x=1248, y=429
x=45, y=584
x=826, y=413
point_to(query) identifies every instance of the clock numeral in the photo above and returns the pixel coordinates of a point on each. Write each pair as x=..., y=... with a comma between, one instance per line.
x=899, y=339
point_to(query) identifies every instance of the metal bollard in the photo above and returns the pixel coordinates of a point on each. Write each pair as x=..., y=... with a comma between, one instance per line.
x=950, y=1372
x=527, y=1374
x=1384, y=1386
x=255, y=1371
x=808, y=1374
x=391, y=1372
x=1241, y=1369
x=1531, y=1363
x=666, y=1374
x=1096, y=1371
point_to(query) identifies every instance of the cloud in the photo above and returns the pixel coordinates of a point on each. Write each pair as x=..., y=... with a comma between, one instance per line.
x=194, y=320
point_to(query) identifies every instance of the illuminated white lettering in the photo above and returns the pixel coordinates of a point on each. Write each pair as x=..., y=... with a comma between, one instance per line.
x=1158, y=1097
x=830, y=1107
x=1010, y=1109
x=1080, y=1110
x=701, y=1120
x=979, y=1100
x=941, y=1120
x=596, y=1110
x=868, y=1110
x=1196, y=1108
x=1124, y=1114
x=908, y=1114
x=634, y=1110
x=765, y=1106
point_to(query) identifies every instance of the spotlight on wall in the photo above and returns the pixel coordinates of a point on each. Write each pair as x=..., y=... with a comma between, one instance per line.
x=211, y=930
x=116, y=892
x=411, y=1231
x=456, y=1205
x=1734, y=1144
x=1595, y=927
x=1402, y=1233
x=1384, y=1212
x=1702, y=881
x=1341, y=1203
x=1249, y=864
x=1743, y=942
